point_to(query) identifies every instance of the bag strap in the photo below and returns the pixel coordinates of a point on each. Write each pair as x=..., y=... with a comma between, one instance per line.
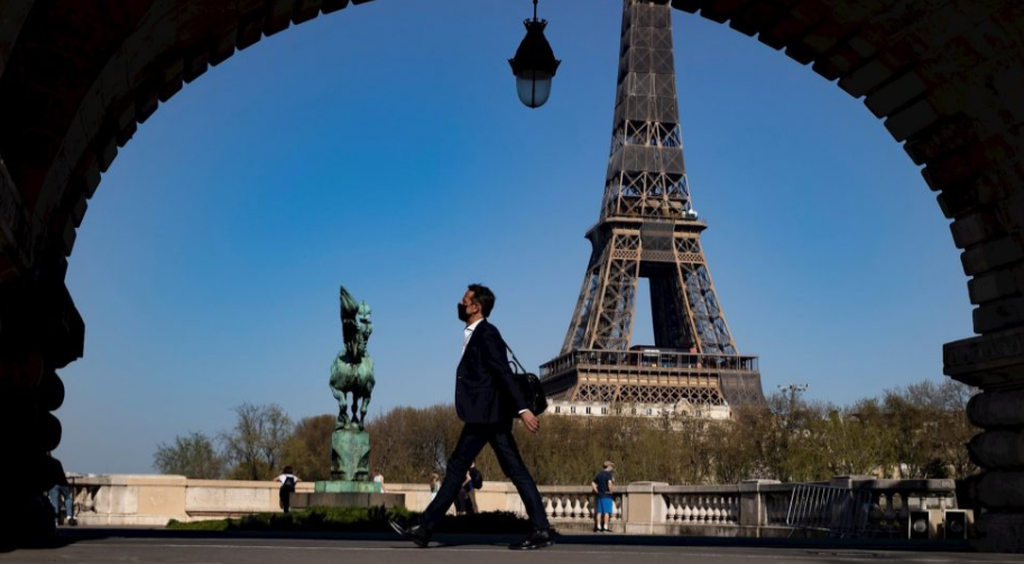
x=514, y=363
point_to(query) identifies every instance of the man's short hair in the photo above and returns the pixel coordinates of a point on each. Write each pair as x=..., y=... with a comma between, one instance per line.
x=483, y=296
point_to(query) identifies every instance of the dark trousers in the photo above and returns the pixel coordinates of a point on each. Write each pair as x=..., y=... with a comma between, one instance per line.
x=286, y=494
x=464, y=502
x=471, y=442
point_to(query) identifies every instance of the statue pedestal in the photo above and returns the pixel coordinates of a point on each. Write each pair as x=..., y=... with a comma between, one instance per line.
x=351, y=485
x=345, y=486
x=350, y=457
x=346, y=493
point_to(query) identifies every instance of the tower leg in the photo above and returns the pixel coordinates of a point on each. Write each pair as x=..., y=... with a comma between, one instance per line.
x=611, y=324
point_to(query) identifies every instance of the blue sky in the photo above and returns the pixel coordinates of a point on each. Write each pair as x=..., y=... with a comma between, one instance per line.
x=383, y=147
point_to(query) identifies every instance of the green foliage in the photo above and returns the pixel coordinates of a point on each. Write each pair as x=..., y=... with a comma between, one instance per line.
x=215, y=525
x=308, y=448
x=324, y=519
x=411, y=443
x=914, y=432
x=192, y=456
x=930, y=429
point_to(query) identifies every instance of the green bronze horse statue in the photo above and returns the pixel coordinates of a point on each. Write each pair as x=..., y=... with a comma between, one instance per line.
x=352, y=369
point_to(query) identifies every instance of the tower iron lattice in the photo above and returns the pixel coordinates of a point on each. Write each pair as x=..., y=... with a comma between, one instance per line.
x=648, y=229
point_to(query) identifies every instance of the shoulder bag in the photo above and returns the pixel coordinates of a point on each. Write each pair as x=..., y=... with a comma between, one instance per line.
x=530, y=385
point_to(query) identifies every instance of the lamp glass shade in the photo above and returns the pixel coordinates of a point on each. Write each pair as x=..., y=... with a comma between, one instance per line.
x=533, y=87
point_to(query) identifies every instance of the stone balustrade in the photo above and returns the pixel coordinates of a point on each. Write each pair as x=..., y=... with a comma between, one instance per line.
x=573, y=507
x=155, y=499
x=755, y=508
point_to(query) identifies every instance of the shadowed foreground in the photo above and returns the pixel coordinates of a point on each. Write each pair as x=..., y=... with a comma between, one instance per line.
x=96, y=545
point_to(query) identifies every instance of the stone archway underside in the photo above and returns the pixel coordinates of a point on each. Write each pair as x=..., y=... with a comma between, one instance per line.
x=947, y=78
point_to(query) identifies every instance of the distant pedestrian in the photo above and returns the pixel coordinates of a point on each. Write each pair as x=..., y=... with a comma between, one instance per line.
x=464, y=501
x=435, y=484
x=476, y=479
x=61, y=495
x=288, y=481
x=379, y=479
x=603, y=486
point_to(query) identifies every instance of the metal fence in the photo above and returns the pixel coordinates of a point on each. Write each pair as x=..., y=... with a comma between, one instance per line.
x=842, y=512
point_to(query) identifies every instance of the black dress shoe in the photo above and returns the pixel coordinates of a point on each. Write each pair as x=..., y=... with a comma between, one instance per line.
x=536, y=539
x=415, y=533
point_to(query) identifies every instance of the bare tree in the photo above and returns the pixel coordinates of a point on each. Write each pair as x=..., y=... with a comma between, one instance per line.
x=192, y=456
x=919, y=431
x=255, y=443
x=308, y=449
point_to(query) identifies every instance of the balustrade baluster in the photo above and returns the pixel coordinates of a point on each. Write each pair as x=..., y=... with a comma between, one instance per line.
x=904, y=507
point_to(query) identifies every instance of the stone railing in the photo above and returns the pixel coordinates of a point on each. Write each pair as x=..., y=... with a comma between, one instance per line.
x=756, y=508
x=893, y=500
x=573, y=507
x=155, y=499
x=715, y=511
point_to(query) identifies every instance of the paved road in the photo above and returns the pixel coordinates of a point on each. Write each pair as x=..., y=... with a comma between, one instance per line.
x=158, y=547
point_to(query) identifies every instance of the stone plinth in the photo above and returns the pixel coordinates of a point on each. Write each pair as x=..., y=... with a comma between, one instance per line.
x=345, y=486
x=346, y=499
x=350, y=456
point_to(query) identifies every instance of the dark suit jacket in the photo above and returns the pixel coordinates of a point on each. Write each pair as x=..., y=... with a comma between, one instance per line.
x=486, y=390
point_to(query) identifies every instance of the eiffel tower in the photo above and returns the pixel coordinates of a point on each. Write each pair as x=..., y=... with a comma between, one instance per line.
x=649, y=229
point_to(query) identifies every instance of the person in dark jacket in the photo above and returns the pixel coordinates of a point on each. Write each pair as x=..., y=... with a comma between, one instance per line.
x=488, y=400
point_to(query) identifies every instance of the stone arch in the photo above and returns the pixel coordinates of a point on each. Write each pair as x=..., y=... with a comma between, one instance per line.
x=946, y=77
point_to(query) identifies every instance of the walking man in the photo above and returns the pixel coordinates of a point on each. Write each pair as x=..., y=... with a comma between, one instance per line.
x=487, y=400
x=603, y=485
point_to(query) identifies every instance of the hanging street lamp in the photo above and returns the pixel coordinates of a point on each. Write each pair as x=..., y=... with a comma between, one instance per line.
x=534, y=64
